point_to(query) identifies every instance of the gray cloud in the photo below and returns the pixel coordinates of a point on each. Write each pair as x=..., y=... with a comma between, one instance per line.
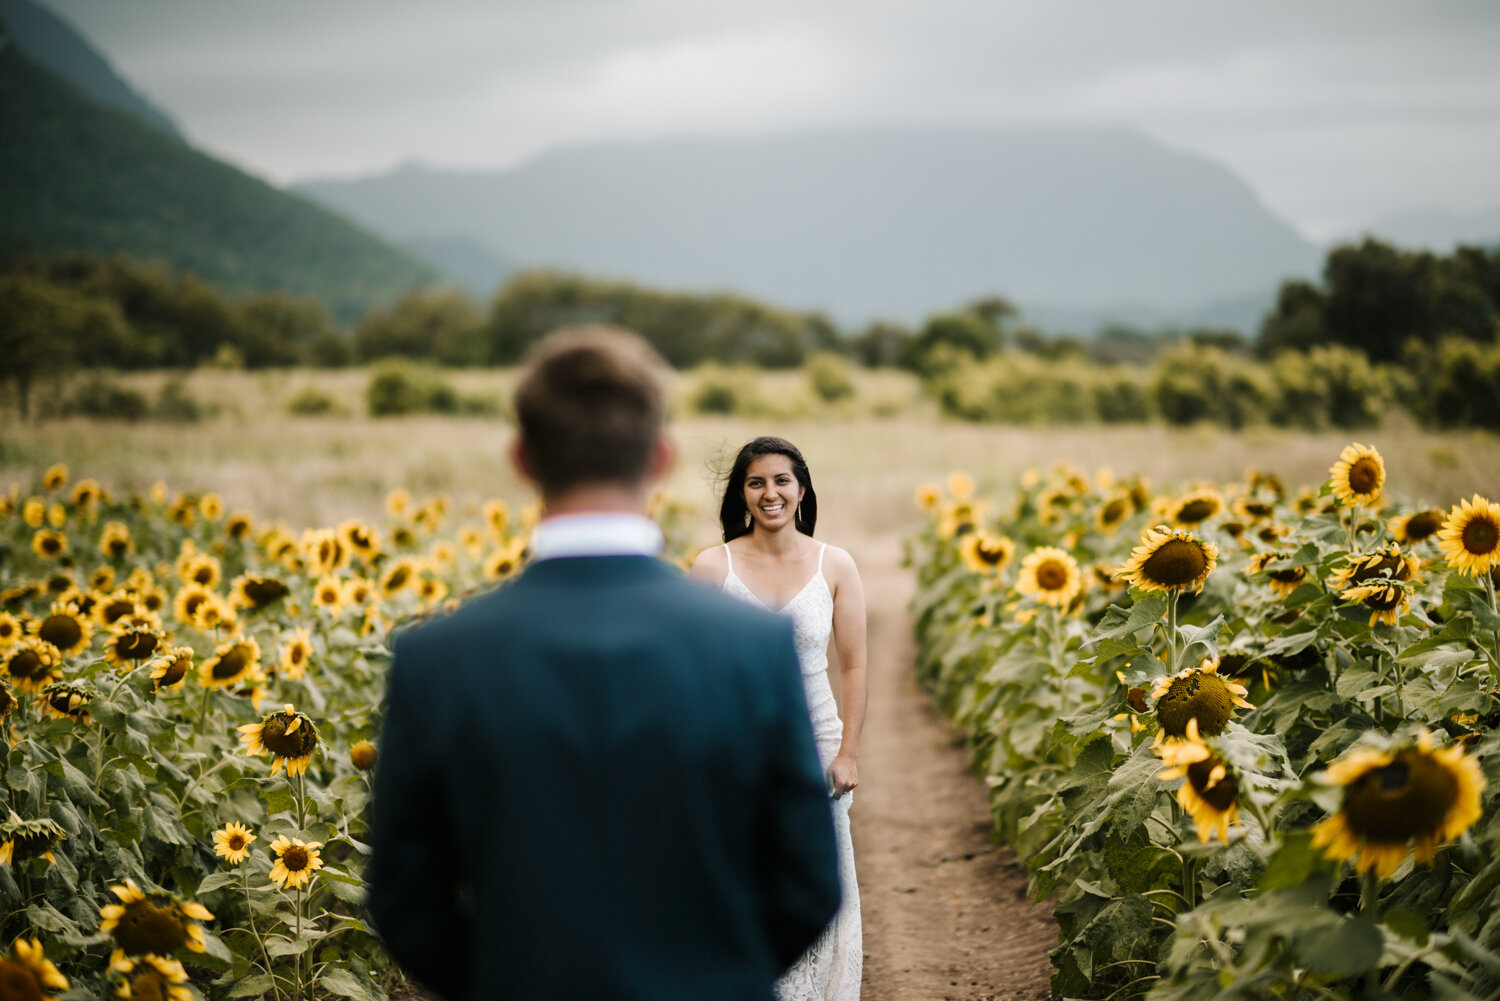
x=1336, y=112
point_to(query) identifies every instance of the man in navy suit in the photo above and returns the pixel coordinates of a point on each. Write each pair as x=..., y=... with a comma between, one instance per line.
x=598, y=782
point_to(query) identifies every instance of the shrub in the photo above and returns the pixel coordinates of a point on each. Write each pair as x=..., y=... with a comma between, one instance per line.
x=176, y=403
x=720, y=390
x=311, y=401
x=104, y=399
x=830, y=377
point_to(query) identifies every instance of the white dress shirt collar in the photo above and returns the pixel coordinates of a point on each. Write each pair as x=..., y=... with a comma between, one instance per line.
x=605, y=534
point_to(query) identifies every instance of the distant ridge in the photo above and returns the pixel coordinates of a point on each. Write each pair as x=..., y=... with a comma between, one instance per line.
x=78, y=175
x=870, y=223
x=52, y=43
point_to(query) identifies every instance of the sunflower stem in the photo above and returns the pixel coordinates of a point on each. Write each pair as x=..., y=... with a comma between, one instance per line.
x=203, y=709
x=1369, y=894
x=259, y=939
x=300, y=896
x=1172, y=597
x=1489, y=589
x=1189, y=880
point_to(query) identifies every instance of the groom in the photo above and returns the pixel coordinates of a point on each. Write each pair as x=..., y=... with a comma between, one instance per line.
x=598, y=782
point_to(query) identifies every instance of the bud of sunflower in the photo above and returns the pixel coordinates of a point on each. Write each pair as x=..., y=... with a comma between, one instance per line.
x=362, y=755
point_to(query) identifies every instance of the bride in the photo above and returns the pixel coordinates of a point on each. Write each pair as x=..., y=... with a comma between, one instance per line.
x=769, y=559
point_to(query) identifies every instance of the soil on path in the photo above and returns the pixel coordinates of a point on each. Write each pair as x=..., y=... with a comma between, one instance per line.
x=946, y=915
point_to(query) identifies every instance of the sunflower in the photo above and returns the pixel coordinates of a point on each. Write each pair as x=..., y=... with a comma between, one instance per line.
x=1414, y=527
x=398, y=502
x=239, y=526
x=323, y=551
x=28, y=973
x=1470, y=536
x=211, y=506
x=472, y=541
x=28, y=839
x=232, y=842
x=8, y=701
x=61, y=700
x=1193, y=509
x=34, y=512
x=296, y=651
x=55, y=478
x=984, y=553
x=295, y=861
x=31, y=664
x=1253, y=509
x=1358, y=476
x=496, y=517
x=11, y=630
x=281, y=548
x=1381, y=580
x=443, y=556
x=214, y=613
x=154, y=979
x=361, y=539
x=362, y=755
x=48, y=544
x=328, y=595
x=115, y=542
x=1113, y=511
x=1051, y=576
x=256, y=591
x=1210, y=795
x=1283, y=580
x=1169, y=559
x=150, y=923
x=170, y=667
x=960, y=485
x=959, y=518
x=359, y=591
x=183, y=511
x=288, y=735
x=87, y=493
x=1197, y=694
x=66, y=628
x=102, y=578
x=233, y=661
x=431, y=590
x=1395, y=797
x=398, y=577
x=133, y=638
x=202, y=569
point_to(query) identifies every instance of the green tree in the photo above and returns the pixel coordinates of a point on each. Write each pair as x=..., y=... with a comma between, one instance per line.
x=44, y=330
x=442, y=325
x=276, y=328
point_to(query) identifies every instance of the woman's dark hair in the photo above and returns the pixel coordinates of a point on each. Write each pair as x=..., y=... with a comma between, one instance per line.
x=732, y=509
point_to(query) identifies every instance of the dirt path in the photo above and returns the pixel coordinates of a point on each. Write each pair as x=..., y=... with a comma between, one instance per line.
x=946, y=917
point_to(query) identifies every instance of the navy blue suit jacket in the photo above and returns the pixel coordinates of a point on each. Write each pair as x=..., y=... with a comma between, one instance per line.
x=600, y=782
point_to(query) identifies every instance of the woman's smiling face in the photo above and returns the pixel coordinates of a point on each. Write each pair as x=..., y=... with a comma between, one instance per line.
x=772, y=491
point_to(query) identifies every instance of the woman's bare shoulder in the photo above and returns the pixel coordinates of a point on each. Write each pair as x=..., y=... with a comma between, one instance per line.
x=838, y=564
x=710, y=566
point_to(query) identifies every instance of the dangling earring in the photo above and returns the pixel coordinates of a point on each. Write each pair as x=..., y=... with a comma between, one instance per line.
x=798, y=519
x=747, y=517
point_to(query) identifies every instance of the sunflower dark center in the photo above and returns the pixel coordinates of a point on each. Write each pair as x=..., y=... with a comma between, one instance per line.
x=51, y=545
x=1114, y=510
x=176, y=668
x=294, y=859
x=1292, y=576
x=1258, y=509
x=1381, y=566
x=1195, y=511
x=151, y=926
x=262, y=591
x=1051, y=576
x=296, y=744
x=1481, y=536
x=26, y=665
x=136, y=645
x=398, y=578
x=992, y=555
x=1420, y=526
x=203, y=575
x=62, y=701
x=32, y=845
x=118, y=547
x=1199, y=696
x=1386, y=600
x=18, y=983
x=62, y=631
x=232, y=664
x=235, y=842
x=1176, y=563
x=1220, y=795
x=114, y=610
x=1364, y=475
x=150, y=985
x=1407, y=798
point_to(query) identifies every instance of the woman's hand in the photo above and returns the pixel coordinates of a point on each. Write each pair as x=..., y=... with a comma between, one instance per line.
x=843, y=775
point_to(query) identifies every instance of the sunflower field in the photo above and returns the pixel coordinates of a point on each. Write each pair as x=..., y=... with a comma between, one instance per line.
x=191, y=705
x=1242, y=733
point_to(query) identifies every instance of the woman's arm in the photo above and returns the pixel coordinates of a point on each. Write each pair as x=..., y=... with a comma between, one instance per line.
x=710, y=567
x=849, y=640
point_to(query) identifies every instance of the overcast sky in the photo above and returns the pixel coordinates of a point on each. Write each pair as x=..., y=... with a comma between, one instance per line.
x=1338, y=112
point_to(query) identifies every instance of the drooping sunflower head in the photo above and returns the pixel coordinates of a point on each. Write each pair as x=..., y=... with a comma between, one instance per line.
x=239, y=526
x=296, y=653
x=1283, y=578
x=115, y=542
x=399, y=576
x=1169, y=559
x=362, y=755
x=152, y=978
x=1470, y=536
x=62, y=700
x=1197, y=695
x=151, y=923
x=28, y=839
x=87, y=493
x=234, y=661
x=28, y=974
x=256, y=591
x=1382, y=580
x=55, y=478
x=232, y=842
x=31, y=664
x=984, y=553
x=295, y=861
x=170, y=667
x=133, y=638
x=323, y=551
x=1051, y=576
x=1210, y=795
x=66, y=628
x=1113, y=511
x=1397, y=798
x=288, y=735
x=361, y=539
x=1358, y=476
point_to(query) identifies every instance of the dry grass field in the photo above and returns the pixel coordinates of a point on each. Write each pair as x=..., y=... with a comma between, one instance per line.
x=867, y=454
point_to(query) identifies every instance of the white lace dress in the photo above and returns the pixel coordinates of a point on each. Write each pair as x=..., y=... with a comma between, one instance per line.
x=830, y=969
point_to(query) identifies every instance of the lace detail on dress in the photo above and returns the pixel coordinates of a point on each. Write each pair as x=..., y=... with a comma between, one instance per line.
x=830, y=970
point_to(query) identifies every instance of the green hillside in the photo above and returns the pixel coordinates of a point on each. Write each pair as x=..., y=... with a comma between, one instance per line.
x=75, y=175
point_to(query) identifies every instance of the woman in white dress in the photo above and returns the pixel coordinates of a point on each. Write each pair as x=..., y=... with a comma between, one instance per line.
x=770, y=559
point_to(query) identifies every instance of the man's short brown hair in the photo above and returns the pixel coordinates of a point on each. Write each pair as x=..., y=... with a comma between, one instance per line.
x=590, y=406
